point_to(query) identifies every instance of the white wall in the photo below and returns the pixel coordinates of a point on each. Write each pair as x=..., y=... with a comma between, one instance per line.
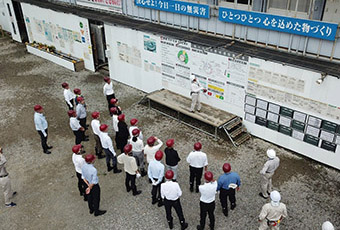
x=4, y=17
x=70, y=34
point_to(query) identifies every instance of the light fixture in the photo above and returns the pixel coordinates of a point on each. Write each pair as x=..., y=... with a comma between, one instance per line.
x=322, y=78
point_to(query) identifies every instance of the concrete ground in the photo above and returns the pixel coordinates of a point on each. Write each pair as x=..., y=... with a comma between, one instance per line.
x=47, y=187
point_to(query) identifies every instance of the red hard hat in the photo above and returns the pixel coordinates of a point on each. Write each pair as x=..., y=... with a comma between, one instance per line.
x=133, y=121
x=159, y=155
x=79, y=99
x=71, y=113
x=135, y=132
x=208, y=176
x=169, y=174
x=106, y=79
x=226, y=167
x=89, y=158
x=103, y=127
x=77, y=91
x=127, y=148
x=121, y=117
x=114, y=110
x=64, y=85
x=76, y=148
x=37, y=108
x=170, y=142
x=151, y=140
x=197, y=146
x=95, y=115
x=113, y=101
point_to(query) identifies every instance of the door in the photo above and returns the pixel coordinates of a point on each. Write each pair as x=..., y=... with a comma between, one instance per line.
x=20, y=21
x=98, y=43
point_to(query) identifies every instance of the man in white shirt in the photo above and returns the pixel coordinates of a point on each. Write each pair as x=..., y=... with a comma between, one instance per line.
x=150, y=149
x=108, y=90
x=41, y=126
x=81, y=112
x=267, y=173
x=78, y=162
x=272, y=213
x=138, y=150
x=170, y=193
x=108, y=149
x=5, y=182
x=195, y=94
x=130, y=168
x=95, y=123
x=114, y=114
x=207, y=200
x=156, y=174
x=197, y=161
x=78, y=130
x=68, y=95
x=133, y=123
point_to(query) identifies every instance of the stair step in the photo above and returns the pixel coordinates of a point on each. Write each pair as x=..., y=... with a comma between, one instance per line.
x=242, y=139
x=237, y=131
x=234, y=123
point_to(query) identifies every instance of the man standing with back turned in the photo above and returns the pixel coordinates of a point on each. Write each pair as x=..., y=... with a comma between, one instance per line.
x=267, y=173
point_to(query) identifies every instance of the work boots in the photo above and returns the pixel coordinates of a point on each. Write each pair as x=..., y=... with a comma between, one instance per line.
x=109, y=168
x=116, y=170
x=184, y=225
x=171, y=224
x=143, y=172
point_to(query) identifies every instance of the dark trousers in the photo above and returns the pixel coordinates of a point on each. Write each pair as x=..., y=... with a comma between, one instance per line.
x=108, y=98
x=130, y=182
x=195, y=173
x=43, y=140
x=207, y=208
x=81, y=184
x=72, y=103
x=109, y=157
x=168, y=204
x=80, y=136
x=94, y=198
x=156, y=189
x=224, y=194
x=82, y=122
x=98, y=148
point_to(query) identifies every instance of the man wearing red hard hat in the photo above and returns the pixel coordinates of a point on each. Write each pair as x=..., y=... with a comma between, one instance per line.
x=95, y=124
x=156, y=174
x=78, y=162
x=207, y=200
x=197, y=161
x=108, y=90
x=41, y=126
x=171, y=157
x=150, y=149
x=122, y=135
x=133, y=123
x=138, y=150
x=227, y=183
x=81, y=112
x=90, y=177
x=68, y=95
x=78, y=130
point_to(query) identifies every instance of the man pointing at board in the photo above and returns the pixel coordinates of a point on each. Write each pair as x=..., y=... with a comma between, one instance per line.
x=195, y=94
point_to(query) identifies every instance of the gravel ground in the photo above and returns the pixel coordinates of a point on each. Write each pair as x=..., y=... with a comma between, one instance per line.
x=47, y=187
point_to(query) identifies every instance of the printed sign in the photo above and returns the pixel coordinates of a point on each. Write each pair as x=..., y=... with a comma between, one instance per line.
x=309, y=28
x=179, y=7
x=111, y=5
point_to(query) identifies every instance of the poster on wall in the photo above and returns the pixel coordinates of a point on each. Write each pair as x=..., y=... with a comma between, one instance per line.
x=110, y=5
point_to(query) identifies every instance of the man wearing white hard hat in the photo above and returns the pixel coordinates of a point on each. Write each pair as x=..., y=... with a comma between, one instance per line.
x=267, y=173
x=195, y=94
x=272, y=213
x=327, y=226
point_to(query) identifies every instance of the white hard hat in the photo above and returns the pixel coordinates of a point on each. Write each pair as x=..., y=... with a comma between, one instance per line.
x=192, y=77
x=327, y=226
x=271, y=153
x=275, y=198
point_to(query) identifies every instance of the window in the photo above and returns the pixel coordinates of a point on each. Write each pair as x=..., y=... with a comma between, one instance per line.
x=292, y=5
x=245, y=2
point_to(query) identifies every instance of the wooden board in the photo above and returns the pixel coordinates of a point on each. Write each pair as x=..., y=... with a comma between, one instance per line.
x=210, y=115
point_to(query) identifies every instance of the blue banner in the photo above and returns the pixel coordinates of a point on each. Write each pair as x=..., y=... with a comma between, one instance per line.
x=179, y=7
x=309, y=28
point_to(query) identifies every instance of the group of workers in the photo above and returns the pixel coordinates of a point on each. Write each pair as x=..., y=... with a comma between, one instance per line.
x=140, y=160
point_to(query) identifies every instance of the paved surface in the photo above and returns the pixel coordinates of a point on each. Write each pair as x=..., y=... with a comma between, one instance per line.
x=46, y=184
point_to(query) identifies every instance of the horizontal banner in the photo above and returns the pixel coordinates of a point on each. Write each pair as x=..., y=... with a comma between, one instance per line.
x=111, y=5
x=309, y=28
x=178, y=7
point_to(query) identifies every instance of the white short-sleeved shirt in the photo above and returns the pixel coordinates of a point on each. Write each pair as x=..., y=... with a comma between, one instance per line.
x=197, y=159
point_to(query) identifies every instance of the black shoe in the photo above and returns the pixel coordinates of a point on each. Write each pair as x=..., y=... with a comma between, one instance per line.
x=109, y=168
x=197, y=190
x=154, y=202
x=117, y=171
x=191, y=189
x=47, y=152
x=14, y=194
x=268, y=193
x=86, y=136
x=225, y=212
x=160, y=204
x=128, y=189
x=101, y=156
x=171, y=224
x=49, y=147
x=137, y=192
x=12, y=204
x=99, y=212
x=85, y=198
x=184, y=226
x=82, y=152
x=91, y=211
x=261, y=195
x=143, y=173
x=199, y=227
x=233, y=206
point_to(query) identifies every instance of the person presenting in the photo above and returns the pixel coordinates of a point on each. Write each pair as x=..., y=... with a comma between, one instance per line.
x=196, y=88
